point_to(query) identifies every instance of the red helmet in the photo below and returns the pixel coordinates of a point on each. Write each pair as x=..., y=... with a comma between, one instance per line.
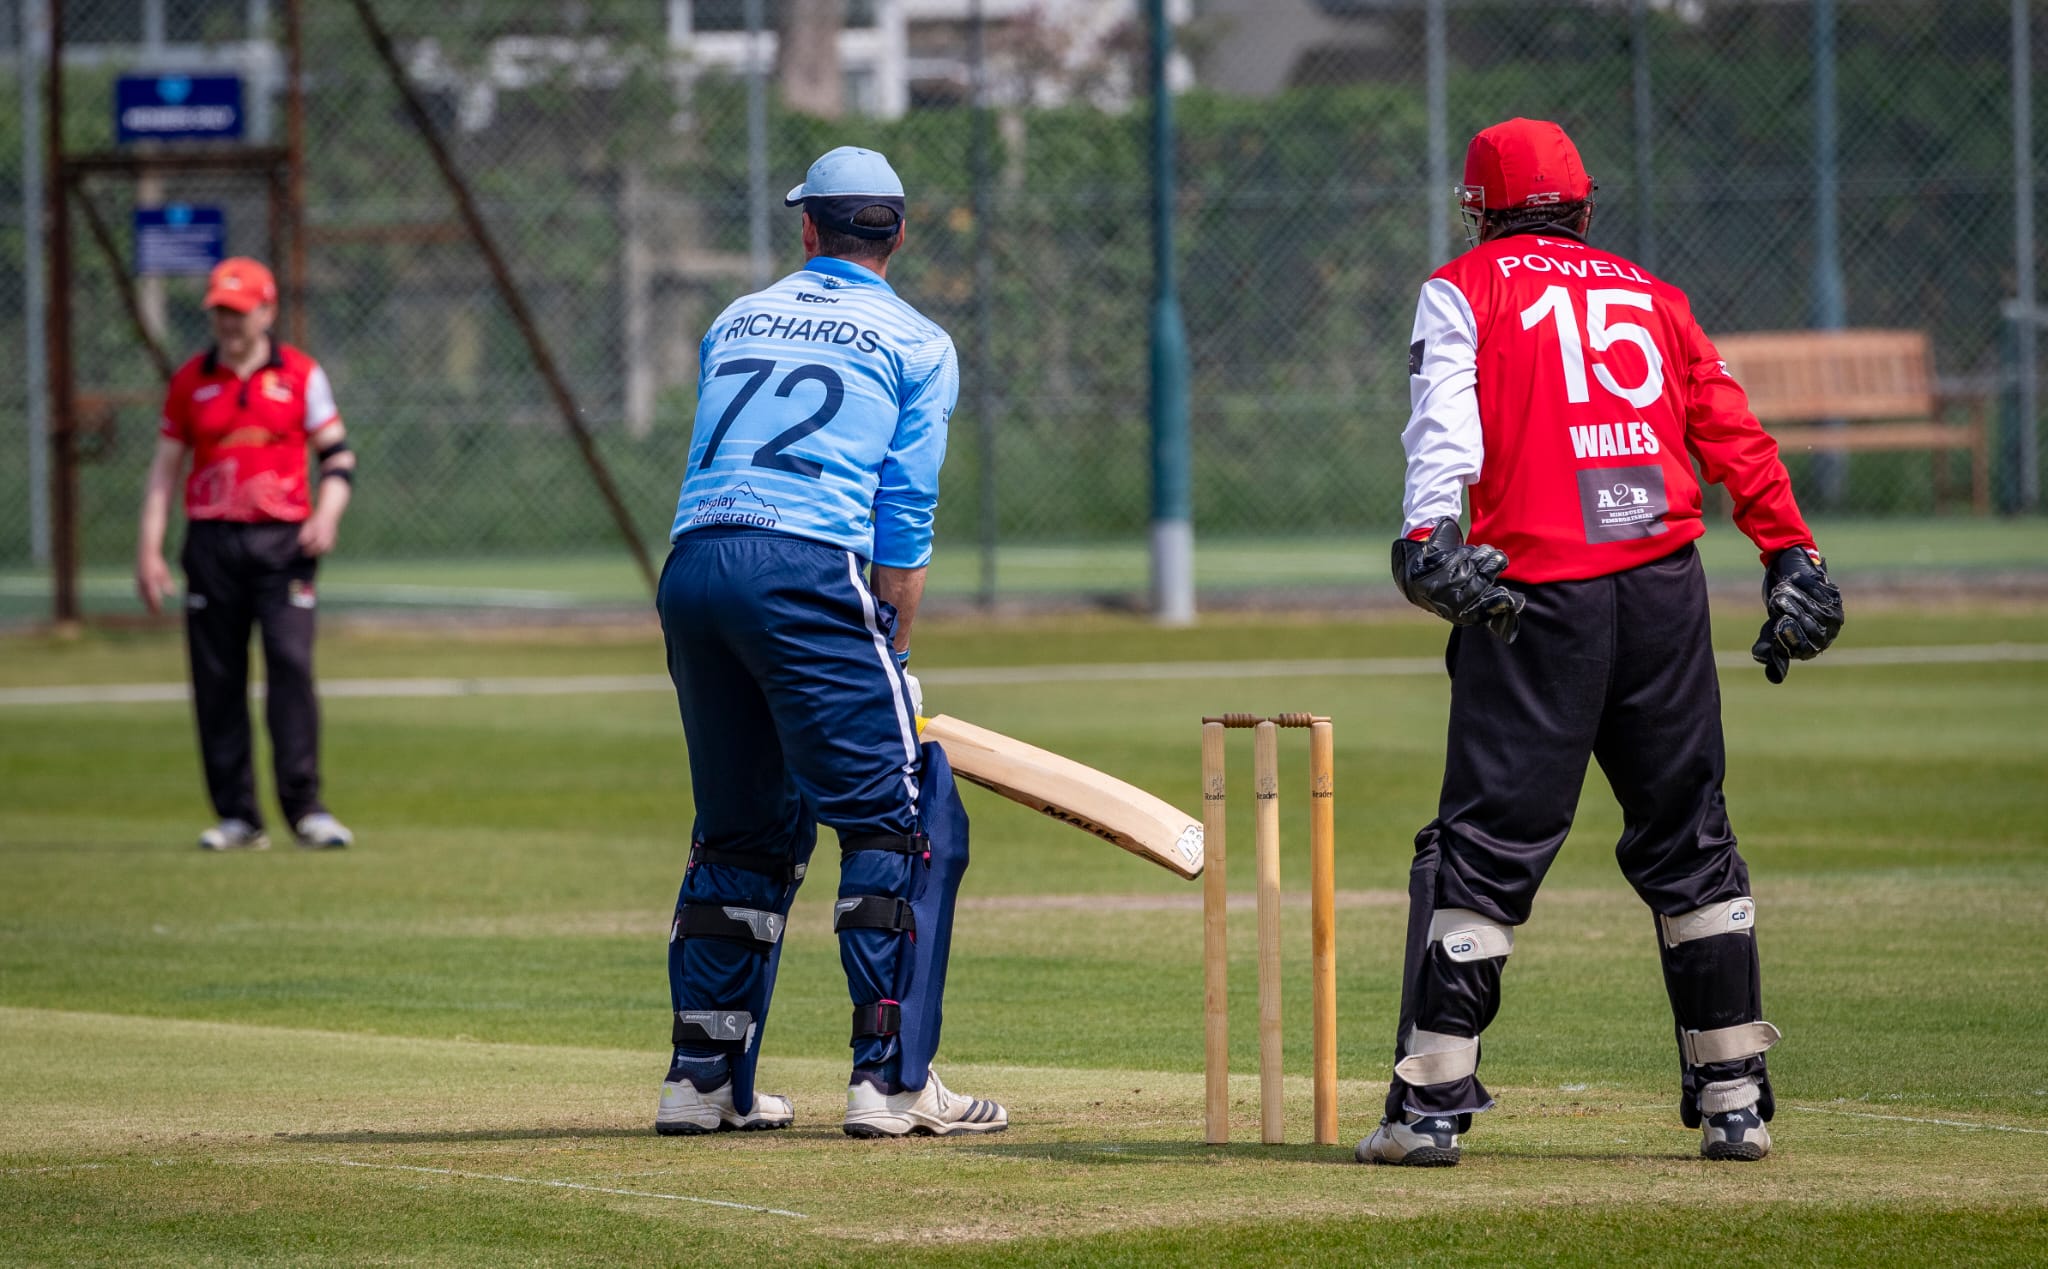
x=1520, y=163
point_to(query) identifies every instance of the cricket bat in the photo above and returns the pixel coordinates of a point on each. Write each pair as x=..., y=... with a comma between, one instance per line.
x=1071, y=793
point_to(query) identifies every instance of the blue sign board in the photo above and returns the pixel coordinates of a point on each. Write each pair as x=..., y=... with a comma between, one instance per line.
x=178, y=108
x=179, y=239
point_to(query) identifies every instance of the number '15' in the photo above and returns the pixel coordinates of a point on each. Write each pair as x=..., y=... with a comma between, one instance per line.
x=1556, y=303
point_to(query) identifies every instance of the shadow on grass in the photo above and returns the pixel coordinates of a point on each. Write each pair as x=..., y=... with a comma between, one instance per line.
x=1115, y=1152
x=372, y=1136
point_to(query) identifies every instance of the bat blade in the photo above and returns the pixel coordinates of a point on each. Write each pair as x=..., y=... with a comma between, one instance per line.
x=1072, y=793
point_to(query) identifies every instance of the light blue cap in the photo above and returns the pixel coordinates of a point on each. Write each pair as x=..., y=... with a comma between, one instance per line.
x=848, y=171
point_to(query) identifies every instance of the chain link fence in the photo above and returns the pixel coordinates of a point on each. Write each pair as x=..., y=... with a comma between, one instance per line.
x=607, y=146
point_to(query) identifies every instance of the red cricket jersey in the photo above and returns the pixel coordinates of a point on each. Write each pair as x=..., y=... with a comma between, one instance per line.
x=248, y=436
x=1572, y=391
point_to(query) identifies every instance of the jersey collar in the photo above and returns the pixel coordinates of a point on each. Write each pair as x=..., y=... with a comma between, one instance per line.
x=211, y=366
x=846, y=271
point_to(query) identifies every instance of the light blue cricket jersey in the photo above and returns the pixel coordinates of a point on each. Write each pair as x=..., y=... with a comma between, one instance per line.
x=822, y=405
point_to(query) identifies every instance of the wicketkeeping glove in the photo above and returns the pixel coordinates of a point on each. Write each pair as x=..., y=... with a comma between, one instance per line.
x=1459, y=583
x=1803, y=612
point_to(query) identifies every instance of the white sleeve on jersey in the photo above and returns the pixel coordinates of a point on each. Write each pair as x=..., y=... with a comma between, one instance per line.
x=320, y=409
x=1443, y=440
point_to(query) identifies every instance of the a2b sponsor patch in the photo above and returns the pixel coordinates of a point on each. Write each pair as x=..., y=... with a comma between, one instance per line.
x=299, y=593
x=1623, y=503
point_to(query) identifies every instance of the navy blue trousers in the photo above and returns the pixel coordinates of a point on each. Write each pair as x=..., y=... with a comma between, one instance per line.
x=796, y=714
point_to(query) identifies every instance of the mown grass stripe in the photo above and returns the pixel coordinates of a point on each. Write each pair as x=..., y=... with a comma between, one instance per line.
x=1915, y=1119
x=561, y=1185
x=980, y=676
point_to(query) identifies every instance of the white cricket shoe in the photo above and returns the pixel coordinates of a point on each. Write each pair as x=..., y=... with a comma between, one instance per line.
x=931, y=1111
x=1737, y=1134
x=234, y=834
x=685, y=1112
x=321, y=831
x=1730, y=1128
x=1420, y=1141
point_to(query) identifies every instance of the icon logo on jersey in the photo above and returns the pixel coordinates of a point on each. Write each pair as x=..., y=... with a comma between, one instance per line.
x=808, y=298
x=742, y=507
x=1623, y=503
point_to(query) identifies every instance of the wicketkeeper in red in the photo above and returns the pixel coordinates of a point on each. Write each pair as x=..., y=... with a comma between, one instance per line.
x=1567, y=393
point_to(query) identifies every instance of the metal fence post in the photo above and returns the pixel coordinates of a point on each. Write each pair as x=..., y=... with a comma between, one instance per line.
x=757, y=150
x=35, y=370
x=1831, y=471
x=1639, y=54
x=981, y=162
x=1439, y=137
x=1173, y=530
x=2027, y=454
x=63, y=472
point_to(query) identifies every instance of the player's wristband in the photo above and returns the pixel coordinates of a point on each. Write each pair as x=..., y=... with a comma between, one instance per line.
x=902, y=658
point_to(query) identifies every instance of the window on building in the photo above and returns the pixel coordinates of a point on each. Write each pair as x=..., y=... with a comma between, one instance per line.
x=731, y=15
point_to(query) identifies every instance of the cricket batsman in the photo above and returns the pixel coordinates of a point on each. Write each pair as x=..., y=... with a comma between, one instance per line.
x=1568, y=393
x=800, y=544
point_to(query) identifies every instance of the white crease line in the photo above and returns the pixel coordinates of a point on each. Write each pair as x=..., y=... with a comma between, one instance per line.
x=563, y=1185
x=59, y=1167
x=1913, y=1119
x=973, y=676
x=359, y=592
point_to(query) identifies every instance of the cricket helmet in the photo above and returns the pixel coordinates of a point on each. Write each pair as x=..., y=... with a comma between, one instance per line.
x=1520, y=164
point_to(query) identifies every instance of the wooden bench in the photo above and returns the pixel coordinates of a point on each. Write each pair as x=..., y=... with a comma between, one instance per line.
x=1879, y=382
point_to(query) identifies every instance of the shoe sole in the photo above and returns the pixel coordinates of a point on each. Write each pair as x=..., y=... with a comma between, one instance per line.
x=306, y=845
x=698, y=1130
x=871, y=1132
x=1733, y=1151
x=1422, y=1157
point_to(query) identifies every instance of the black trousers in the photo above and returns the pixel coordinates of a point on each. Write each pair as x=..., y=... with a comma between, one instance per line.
x=236, y=576
x=1617, y=668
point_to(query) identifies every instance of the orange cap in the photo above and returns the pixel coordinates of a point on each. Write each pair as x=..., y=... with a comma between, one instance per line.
x=241, y=284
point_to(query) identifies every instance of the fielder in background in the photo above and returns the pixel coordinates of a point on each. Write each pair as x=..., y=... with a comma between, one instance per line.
x=1570, y=392
x=800, y=545
x=244, y=413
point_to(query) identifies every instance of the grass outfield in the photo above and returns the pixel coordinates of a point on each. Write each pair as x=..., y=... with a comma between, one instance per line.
x=1859, y=550
x=443, y=1045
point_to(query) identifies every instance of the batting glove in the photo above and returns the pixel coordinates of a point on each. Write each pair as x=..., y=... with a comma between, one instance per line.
x=1459, y=583
x=1803, y=612
x=916, y=694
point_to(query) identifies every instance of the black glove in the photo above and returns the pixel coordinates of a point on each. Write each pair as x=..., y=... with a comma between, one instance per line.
x=1803, y=612
x=1440, y=574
